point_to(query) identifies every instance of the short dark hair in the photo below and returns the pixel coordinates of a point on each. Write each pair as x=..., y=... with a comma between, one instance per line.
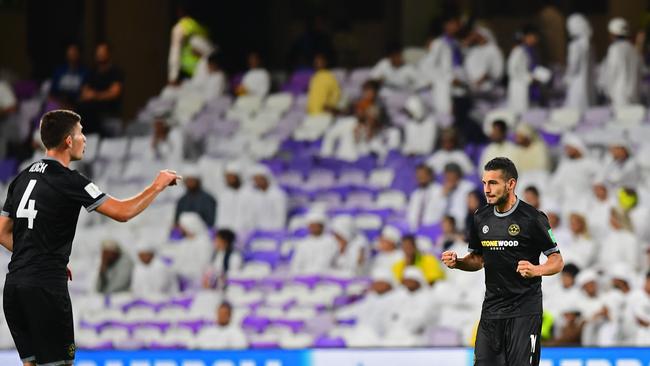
x=425, y=167
x=501, y=125
x=454, y=168
x=56, y=126
x=451, y=219
x=411, y=238
x=225, y=304
x=505, y=165
x=571, y=269
x=533, y=190
x=227, y=235
x=394, y=48
x=372, y=84
x=213, y=59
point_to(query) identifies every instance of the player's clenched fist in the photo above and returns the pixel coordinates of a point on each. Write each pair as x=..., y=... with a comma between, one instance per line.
x=449, y=258
x=527, y=269
x=166, y=178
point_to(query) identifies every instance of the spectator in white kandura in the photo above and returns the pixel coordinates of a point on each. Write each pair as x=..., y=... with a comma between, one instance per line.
x=450, y=152
x=266, y=202
x=579, y=71
x=420, y=128
x=521, y=65
x=532, y=153
x=581, y=247
x=558, y=292
x=443, y=66
x=231, y=210
x=531, y=197
x=315, y=253
x=422, y=208
x=388, y=251
x=166, y=142
x=619, y=168
x=591, y=303
x=561, y=231
x=453, y=195
x=620, y=71
x=195, y=199
x=150, y=274
x=225, y=259
x=617, y=298
x=620, y=243
x=393, y=72
x=191, y=254
x=599, y=207
x=257, y=80
x=638, y=317
x=115, y=269
x=484, y=63
x=373, y=135
x=499, y=144
x=213, y=84
x=224, y=334
x=451, y=238
x=577, y=167
x=639, y=212
x=352, y=255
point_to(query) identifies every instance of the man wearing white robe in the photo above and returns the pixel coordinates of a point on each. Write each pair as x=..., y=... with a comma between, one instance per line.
x=499, y=144
x=232, y=206
x=393, y=72
x=257, y=80
x=150, y=274
x=620, y=243
x=599, y=207
x=520, y=66
x=317, y=252
x=621, y=69
x=388, y=252
x=592, y=305
x=532, y=153
x=579, y=69
x=352, y=255
x=619, y=167
x=422, y=208
x=450, y=152
x=638, y=315
x=452, y=198
x=484, y=62
x=420, y=129
x=224, y=334
x=266, y=203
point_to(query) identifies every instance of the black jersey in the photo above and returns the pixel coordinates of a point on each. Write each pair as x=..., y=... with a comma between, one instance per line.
x=504, y=239
x=44, y=202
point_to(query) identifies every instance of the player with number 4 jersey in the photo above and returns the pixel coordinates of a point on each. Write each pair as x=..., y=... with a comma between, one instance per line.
x=37, y=223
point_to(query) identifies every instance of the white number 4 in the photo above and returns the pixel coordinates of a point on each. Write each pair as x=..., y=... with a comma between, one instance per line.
x=26, y=207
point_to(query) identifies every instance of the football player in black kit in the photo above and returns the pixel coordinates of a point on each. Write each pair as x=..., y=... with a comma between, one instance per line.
x=507, y=238
x=38, y=223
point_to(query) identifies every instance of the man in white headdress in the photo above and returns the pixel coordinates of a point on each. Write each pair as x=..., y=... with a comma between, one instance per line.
x=571, y=182
x=266, y=203
x=578, y=76
x=150, y=274
x=423, y=208
x=637, y=320
x=592, y=305
x=532, y=153
x=484, y=60
x=231, y=209
x=191, y=254
x=621, y=69
x=619, y=168
x=620, y=243
x=420, y=129
x=388, y=251
x=315, y=253
x=352, y=254
x=599, y=206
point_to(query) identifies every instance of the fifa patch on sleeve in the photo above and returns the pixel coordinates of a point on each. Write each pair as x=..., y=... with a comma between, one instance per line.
x=92, y=190
x=550, y=233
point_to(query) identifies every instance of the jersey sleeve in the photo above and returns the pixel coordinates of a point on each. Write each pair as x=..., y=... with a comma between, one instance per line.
x=474, y=241
x=543, y=237
x=8, y=207
x=80, y=189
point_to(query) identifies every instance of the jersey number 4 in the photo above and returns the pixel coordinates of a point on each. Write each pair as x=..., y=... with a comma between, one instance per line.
x=26, y=208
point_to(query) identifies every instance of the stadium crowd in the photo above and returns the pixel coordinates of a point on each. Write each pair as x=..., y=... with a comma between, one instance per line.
x=314, y=212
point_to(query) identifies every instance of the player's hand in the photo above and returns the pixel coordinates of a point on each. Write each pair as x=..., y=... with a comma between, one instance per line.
x=166, y=178
x=527, y=269
x=450, y=259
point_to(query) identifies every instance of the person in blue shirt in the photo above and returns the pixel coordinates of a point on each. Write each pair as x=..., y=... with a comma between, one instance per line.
x=68, y=78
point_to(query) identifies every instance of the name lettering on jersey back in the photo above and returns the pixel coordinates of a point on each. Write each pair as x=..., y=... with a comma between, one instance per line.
x=499, y=244
x=38, y=167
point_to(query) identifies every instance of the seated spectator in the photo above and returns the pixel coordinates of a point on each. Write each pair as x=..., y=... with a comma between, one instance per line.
x=69, y=78
x=483, y=61
x=453, y=195
x=559, y=291
x=581, y=248
x=499, y=144
x=450, y=152
x=101, y=94
x=428, y=264
x=352, y=254
x=315, y=253
x=388, y=252
x=523, y=86
x=373, y=136
x=256, y=80
x=196, y=199
x=619, y=168
x=532, y=152
x=599, y=206
x=231, y=209
x=620, y=243
x=214, y=84
x=422, y=208
x=115, y=269
x=150, y=274
x=576, y=167
x=531, y=197
x=570, y=331
x=420, y=129
x=166, y=142
x=8, y=121
x=324, y=91
x=638, y=317
x=592, y=306
x=450, y=236
x=193, y=252
x=266, y=203
x=224, y=334
x=393, y=72
x=224, y=259
x=369, y=97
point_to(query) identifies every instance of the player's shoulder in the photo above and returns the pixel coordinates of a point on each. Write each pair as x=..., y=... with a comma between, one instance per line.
x=525, y=209
x=483, y=211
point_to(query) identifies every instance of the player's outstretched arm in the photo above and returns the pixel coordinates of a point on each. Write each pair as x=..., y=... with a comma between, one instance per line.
x=6, y=233
x=471, y=262
x=553, y=265
x=125, y=210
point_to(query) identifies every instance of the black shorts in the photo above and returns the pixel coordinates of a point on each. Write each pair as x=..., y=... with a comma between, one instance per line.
x=40, y=321
x=508, y=342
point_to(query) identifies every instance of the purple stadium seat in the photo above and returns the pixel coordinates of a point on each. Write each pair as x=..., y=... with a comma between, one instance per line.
x=551, y=139
x=263, y=345
x=8, y=168
x=310, y=281
x=432, y=232
x=246, y=283
x=299, y=82
x=25, y=89
x=256, y=323
x=193, y=325
x=295, y=325
x=272, y=258
x=327, y=342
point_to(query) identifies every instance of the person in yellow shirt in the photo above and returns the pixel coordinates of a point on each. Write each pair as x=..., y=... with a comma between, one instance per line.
x=427, y=263
x=324, y=90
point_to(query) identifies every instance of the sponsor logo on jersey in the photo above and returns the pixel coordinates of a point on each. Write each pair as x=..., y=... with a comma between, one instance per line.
x=38, y=167
x=92, y=190
x=514, y=229
x=485, y=229
x=499, y=244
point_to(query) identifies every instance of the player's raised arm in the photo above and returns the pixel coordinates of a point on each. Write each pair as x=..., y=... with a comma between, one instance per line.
x=471, y=262
x=125, y=210
x=6, y=232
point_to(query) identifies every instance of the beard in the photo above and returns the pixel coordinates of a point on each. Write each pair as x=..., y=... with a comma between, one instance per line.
x=501, y=200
